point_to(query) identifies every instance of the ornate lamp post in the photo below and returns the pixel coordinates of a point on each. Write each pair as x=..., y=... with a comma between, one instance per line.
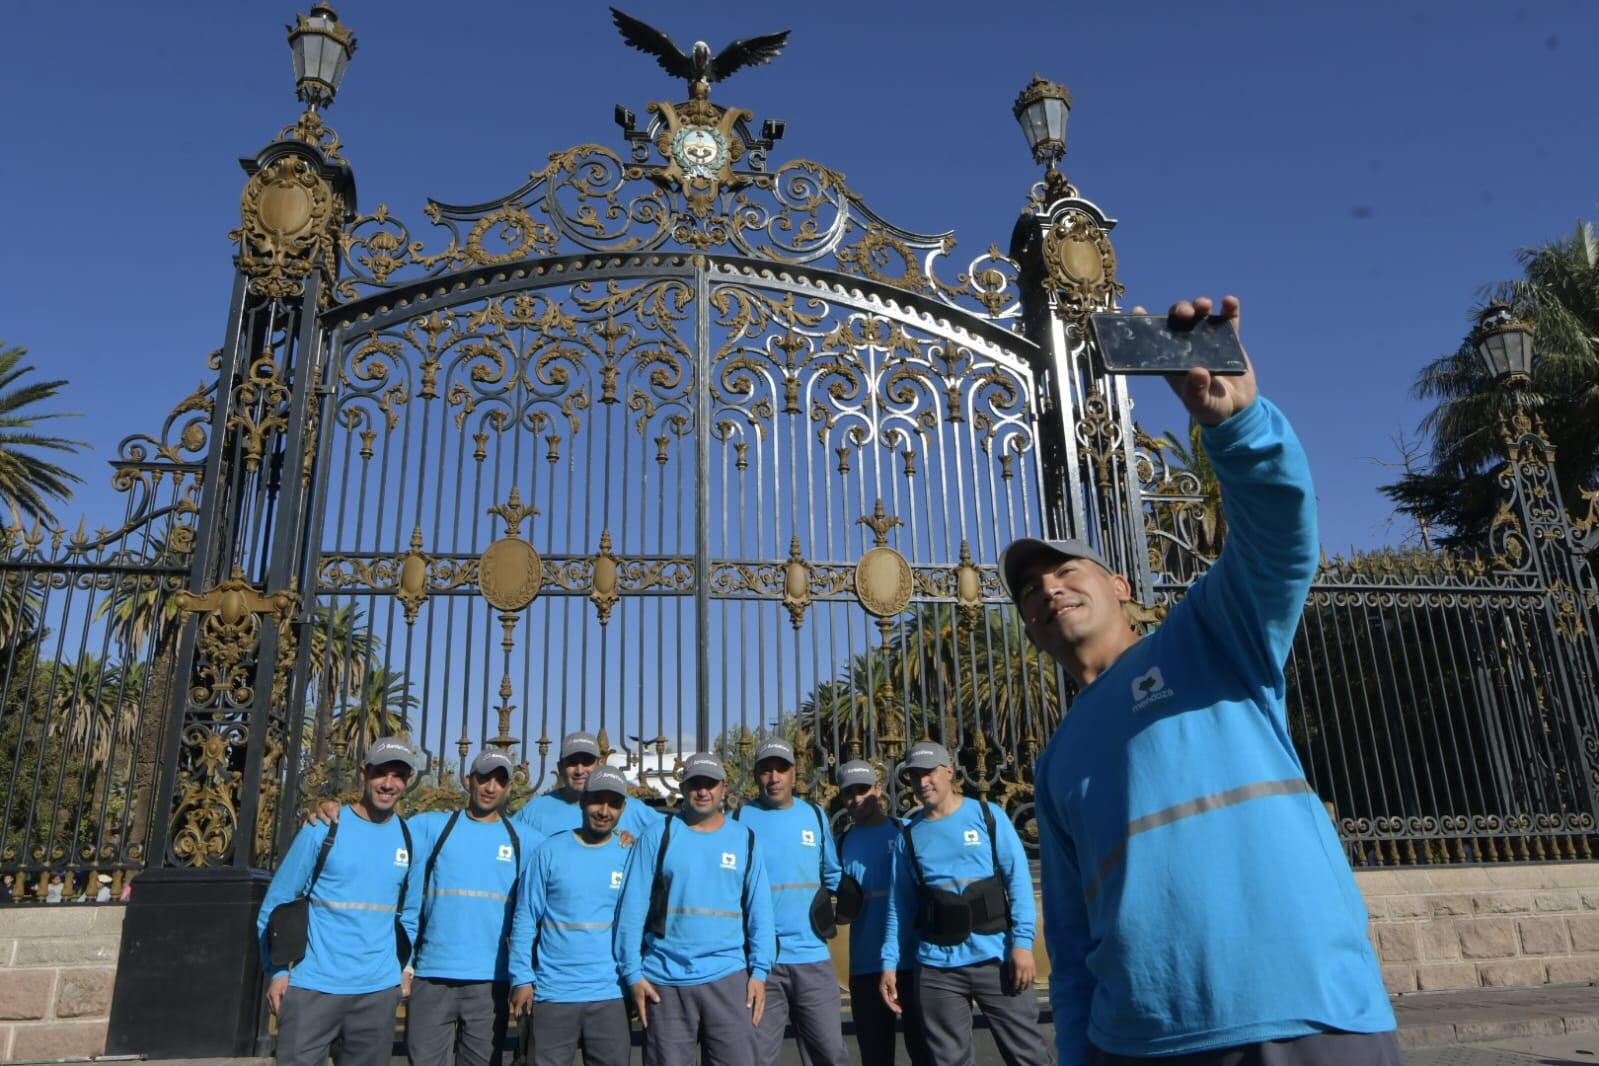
x=322, y=48
x=1504, y=342
x=1042, y=109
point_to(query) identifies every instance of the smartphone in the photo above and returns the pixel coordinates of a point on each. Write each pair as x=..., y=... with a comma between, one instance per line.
x=1146, y=344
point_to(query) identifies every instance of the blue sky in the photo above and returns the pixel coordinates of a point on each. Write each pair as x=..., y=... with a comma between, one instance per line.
x=1354, y=172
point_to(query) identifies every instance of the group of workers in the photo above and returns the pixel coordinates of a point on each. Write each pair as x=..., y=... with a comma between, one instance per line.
x=1198, y=909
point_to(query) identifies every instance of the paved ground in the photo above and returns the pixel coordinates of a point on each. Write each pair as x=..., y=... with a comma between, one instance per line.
x=1551, y=1026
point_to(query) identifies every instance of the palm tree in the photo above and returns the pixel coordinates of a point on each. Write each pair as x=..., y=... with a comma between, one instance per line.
x=1191, y=458
x=342, y=648
x=1559, y=294
x=379, y=710
x=143, y=614
x=27, y=481
x=19, y=610
x=92, y=706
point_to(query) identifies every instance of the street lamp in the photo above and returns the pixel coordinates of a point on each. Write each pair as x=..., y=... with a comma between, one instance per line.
x=1041, y=108
x=322, y=49
x=1504, y=342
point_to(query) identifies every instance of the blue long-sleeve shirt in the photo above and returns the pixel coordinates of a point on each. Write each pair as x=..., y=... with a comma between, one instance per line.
x=719, y=907
x=952, y=852
x=350, y=948
x=867, y=854
x=552, y=813
x=1195, y=892
x=469, y=899
x=568, y=900
x=797, y=844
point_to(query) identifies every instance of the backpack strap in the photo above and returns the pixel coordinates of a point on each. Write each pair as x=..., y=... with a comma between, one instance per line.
x=821, y=843
x=993, y=848
x=321, y=858
x=427, y=878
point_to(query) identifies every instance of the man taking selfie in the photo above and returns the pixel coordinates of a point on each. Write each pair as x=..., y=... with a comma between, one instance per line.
x=1198, y=907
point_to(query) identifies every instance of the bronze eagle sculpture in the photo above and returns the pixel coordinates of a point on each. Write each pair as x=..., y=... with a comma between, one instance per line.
x=698, y=66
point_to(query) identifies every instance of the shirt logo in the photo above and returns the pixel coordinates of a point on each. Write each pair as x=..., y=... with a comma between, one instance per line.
x=616, y=879
x=808, y=837
x=1150, y=688
x=507, y=853
x=402, y=857
x=729, y=860
x=971, y=838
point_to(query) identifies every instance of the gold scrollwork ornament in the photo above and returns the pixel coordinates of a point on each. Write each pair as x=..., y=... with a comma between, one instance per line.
x=287, y=227
x=1080, y=264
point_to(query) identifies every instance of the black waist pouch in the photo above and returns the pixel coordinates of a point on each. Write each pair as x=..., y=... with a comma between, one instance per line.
x=823, y=923
x=655, y=920
x=402, y=942
x=942, y=917
x=849, y=900
x=288, y=930
x=986, y=901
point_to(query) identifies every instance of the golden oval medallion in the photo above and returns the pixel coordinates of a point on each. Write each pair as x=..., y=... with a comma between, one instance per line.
x=883, y=582
x=510, y=574
x=285, y=208
x=604, y=575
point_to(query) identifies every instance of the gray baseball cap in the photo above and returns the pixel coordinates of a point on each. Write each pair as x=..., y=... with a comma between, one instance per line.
x=491, y=759
x=390, y=749
x=856, y=772
x=579, y=744
x=1023, y=552
x=606, y=779
x=925, y=755
x=775, y=748
x=704, y=764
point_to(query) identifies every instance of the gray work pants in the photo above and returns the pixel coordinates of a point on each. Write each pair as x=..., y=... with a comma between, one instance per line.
x=1323, y=1049
x=599, y=1028
x=712, y=1014
x=363, y=1025
x=806, y=994
x=466, y=1017
x=946, y=998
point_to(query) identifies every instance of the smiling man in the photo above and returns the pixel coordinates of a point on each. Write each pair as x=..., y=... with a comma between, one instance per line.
x=344, y=985
x=568, y=905
x=1197, y=905
x=694, y=934
x=472, y=862
x=961, y=875
x=802, y=866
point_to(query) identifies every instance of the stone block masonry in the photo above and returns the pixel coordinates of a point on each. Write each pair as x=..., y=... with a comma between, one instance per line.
x=1459, y=927
x=57, y=966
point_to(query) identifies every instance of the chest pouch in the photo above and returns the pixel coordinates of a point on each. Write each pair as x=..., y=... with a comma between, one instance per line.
x=948, y=918
x=942, y=917
x=849, y=900
x=989, y=906
x=289, y=924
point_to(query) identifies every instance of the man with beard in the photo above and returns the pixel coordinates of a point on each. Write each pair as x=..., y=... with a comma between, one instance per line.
x=474, y=859
x=346, y=987
x=866, y=853
x=1198, y=905
x=961, y=875
x=568, y=905
x=694, y=934
x=558, y=811
x=802, y=866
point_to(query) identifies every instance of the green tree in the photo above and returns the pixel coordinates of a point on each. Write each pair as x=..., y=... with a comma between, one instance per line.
x=1559, y=294
x=379, y=710
x=28, y=481
x=1210, y=521
x=342, y=649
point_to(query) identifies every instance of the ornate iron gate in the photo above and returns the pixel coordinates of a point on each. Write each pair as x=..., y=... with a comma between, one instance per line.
x=682, y=449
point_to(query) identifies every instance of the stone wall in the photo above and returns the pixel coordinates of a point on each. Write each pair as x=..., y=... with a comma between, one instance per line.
x=57, y=964
x=1484, y=926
